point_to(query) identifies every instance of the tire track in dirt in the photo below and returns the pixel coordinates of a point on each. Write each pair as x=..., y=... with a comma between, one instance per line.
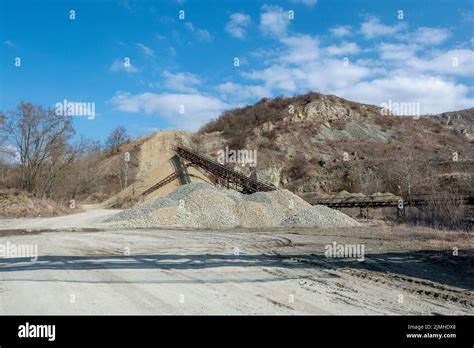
x=415, y=286
x=411, y=285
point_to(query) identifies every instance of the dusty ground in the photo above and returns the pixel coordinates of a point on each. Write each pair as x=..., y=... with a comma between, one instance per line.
x=405, y=271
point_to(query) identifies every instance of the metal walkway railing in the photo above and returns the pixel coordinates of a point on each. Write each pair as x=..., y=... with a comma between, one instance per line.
x=166, y=180
x=226, y=175
x=415, y=200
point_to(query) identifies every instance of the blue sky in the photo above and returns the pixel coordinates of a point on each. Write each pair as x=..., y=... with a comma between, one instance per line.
x=360, y=50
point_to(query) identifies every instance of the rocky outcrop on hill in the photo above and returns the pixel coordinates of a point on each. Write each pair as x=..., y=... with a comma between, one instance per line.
x=322, y=109
x=316, y=144
x=323, y=143
x=462, y=121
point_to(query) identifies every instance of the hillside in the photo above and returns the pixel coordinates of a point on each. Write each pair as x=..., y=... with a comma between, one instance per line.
x=461, y=120
x=313, y=144
x=152, y=159
x=322, y=143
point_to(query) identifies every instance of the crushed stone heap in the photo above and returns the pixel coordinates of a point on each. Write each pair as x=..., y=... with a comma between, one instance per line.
x=201, y=205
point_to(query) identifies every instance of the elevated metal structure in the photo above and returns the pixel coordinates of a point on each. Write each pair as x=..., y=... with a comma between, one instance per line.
x=224, y=175
x=415, y=200
x=173, y=176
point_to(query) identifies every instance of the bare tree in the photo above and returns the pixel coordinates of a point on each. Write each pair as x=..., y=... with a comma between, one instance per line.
x=408, y=173
x=83, y=177
x=123, y=168
x=41, y=138
x=116, y=138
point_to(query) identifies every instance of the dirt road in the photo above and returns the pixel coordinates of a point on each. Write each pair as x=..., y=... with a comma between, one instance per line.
x=231, y=272
x=91, y=218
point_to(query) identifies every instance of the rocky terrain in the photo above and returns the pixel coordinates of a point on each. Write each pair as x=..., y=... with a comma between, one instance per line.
x=322, y=143
x=462, y=121
x=150, y=258
x=154, y=162
x=314, y=145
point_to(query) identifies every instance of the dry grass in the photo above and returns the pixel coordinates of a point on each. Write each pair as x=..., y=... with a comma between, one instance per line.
x=419, y=237
x=15, y=204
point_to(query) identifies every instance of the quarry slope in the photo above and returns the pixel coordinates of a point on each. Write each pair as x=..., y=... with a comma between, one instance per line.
x=325, y=145
x=155, y=162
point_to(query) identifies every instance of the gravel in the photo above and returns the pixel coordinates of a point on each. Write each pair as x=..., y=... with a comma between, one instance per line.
x=141, y=209
x=202, y=205
x=319, y=215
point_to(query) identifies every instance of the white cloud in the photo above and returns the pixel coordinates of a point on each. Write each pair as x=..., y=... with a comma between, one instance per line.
x=198, y=108
x=7, y=154
x=200, y=34
x=343, y=48
x=300, y=48
x=236, y=93
x=453, y=62
x=403, y=57
x=302, y=64
x=264, y=53
x=309, y=3
x=120, y=65
x=331, y=74
x=404, y=69
x=429, y=36
x=237, y=26
x=372, y=27
x=146, y=50
x=434, y=94
x=341, y=31
x=399, y=51
x=276, y=77
x=183, y=81
x=274, y=20
x=8, y=149
x=8, y=43
x=322, y=75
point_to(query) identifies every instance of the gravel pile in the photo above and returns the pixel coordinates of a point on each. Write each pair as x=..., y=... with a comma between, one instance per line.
x=205, y=206
x=318, y=215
